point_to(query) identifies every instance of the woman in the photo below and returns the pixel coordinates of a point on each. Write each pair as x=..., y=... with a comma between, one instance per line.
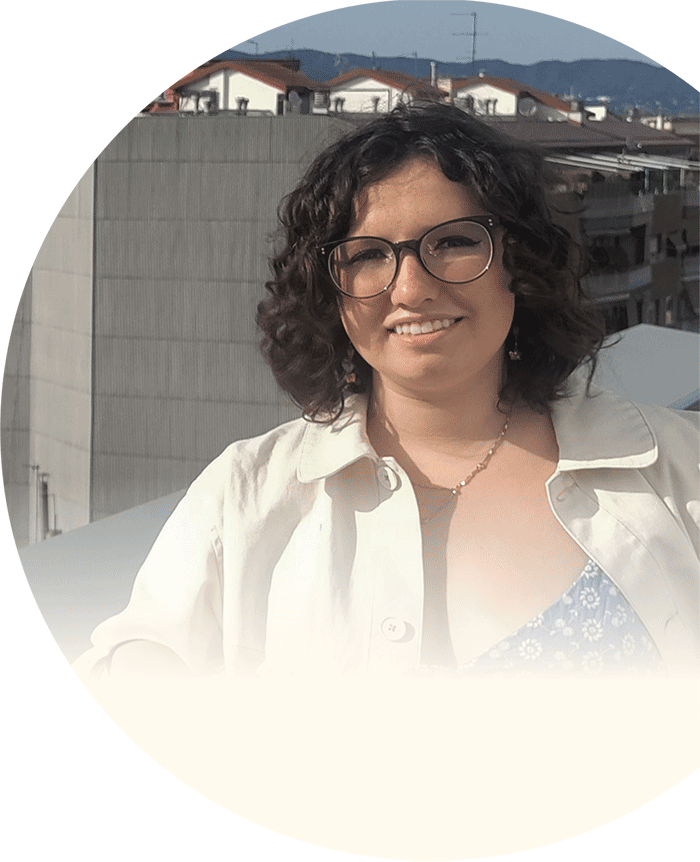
x=457, y=496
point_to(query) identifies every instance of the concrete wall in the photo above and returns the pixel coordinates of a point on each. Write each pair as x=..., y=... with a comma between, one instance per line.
x=14, y=418
x=184, y=210
x=126, y=400
x=53, y=341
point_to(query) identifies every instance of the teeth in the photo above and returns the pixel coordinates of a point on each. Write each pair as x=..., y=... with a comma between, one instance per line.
x=420, y=328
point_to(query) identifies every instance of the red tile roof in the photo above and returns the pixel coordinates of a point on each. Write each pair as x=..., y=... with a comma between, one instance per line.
x=515, y=87
x=275, y=75
x=398, y=80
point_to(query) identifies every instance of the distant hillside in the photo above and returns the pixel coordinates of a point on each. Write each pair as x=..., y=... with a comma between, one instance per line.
x=627, y=83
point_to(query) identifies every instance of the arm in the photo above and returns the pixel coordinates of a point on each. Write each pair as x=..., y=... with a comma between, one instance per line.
x=173, y=621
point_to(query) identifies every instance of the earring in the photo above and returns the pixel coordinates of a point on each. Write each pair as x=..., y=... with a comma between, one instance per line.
x=514, y=354
x=348, y=366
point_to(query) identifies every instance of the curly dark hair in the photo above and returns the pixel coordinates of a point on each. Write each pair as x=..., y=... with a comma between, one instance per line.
x=303, y=337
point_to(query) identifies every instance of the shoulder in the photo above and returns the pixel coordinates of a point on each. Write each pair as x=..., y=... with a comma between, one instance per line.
x=246, y=473
x=598, y=428
x=273, y=455
x=677, y=435
x=258, y=475
x=669, y=424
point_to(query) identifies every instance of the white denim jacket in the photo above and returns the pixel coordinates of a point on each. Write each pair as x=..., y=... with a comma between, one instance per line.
x=301, y=549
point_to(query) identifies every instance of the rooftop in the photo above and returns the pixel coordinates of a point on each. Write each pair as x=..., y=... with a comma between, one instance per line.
x=397, y=80
x=276, y=75
x=652, y=365
x=610, y=133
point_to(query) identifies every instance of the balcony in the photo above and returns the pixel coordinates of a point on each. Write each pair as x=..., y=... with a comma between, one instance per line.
x=616, y=286
x=614, y=208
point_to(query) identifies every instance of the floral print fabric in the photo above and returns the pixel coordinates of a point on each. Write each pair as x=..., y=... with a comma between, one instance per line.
x=592, y=630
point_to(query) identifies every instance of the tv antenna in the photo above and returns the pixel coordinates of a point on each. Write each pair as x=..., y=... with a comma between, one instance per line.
x=473, y=34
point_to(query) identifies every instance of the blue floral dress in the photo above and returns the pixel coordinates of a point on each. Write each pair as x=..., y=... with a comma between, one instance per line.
x=591, y=629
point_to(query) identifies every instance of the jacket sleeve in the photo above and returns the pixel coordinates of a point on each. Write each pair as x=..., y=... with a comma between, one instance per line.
x=176, y=599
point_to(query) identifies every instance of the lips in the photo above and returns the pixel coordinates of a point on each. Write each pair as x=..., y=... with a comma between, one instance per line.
x=424, y=327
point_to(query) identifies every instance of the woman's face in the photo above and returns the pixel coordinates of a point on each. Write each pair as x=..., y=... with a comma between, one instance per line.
x=411, y=200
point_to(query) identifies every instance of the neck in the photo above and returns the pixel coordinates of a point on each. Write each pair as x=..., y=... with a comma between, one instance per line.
x=400, y=420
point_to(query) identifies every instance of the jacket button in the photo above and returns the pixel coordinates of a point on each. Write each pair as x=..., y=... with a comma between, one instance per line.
x=387, y=478
x=393, y=629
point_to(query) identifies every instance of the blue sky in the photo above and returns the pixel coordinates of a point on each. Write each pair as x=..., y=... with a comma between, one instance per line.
x=428, y=28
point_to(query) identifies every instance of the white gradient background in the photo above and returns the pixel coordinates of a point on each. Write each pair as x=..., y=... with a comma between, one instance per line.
x=74, y=785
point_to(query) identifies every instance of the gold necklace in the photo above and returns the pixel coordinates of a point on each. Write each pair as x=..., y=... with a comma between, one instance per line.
x=482, y=465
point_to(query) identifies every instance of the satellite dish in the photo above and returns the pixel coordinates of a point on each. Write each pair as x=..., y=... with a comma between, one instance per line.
x=294, y=98
x=527, y=107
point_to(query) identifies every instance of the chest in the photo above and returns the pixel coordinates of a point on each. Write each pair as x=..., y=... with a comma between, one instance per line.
x=493, y=560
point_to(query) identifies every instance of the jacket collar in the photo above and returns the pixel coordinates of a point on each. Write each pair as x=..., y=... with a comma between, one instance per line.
x=594, y=429
x=327, y=449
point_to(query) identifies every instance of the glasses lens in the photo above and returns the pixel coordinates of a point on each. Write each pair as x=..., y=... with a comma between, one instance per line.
x=362, y=267
x=457, y=252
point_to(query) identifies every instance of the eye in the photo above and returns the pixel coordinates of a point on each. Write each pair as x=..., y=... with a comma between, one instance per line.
x=362, y=252
x=461, y=239
x=368, y=254
x=453, y=241
x=455, y=244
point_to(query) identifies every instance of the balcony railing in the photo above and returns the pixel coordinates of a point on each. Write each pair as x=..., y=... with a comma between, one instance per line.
x=615, y=202
x=617, y=285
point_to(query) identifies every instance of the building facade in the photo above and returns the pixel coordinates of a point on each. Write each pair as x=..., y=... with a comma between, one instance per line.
x=371, y=91
x=134, y=359
x=256, y=87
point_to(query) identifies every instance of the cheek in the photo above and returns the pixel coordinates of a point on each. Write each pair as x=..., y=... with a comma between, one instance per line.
x=361, y=324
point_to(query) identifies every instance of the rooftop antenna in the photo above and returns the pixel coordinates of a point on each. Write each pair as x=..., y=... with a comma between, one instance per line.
x=473, y=34
x=252, y=42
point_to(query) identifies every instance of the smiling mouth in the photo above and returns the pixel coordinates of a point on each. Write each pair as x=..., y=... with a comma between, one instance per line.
x=425, y=327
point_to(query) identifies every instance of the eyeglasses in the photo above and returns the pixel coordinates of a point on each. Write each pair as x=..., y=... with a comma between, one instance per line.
x=455, y=252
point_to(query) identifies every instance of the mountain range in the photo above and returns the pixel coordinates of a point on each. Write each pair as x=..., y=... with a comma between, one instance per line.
x=626, y=84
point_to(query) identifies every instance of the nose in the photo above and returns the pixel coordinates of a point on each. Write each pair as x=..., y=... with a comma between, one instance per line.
x=412, y=284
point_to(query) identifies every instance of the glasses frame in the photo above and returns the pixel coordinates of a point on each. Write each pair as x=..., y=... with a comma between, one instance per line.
x=487, y=222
